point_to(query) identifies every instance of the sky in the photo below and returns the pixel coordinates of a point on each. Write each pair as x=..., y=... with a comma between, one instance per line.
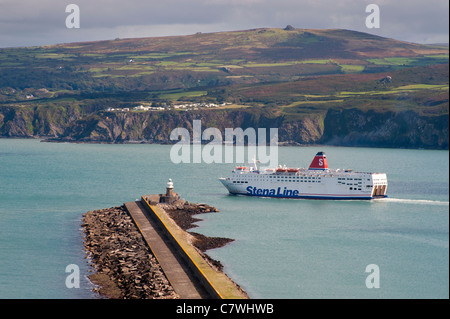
x=42, y=22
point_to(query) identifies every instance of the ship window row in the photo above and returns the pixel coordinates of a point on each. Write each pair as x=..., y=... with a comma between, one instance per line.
x=351, y=188
x=240, y=182
x=349, y=179
x=295, y=177
x=278, y=176
x=290, y=178
x=356, y=184
x=301, y=180
x=318, y=180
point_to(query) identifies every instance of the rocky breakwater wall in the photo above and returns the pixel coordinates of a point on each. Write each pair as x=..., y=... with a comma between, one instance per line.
x=124, y=265
x=183, y=214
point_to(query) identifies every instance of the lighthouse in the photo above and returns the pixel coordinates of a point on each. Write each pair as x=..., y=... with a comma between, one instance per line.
x=169, y=188
x=170, y=196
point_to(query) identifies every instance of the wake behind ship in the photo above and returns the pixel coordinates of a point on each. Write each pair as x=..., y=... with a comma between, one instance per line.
x=316, y=182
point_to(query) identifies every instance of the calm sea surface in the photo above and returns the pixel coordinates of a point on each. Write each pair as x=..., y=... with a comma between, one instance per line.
x=283, y=248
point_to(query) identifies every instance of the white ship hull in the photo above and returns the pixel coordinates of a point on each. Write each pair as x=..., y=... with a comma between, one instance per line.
x=306, y=183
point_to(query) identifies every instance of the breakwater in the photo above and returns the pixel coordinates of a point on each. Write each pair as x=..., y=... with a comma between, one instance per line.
x=125, y=266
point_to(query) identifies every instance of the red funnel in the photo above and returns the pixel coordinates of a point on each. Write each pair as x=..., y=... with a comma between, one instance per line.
x=319, y=161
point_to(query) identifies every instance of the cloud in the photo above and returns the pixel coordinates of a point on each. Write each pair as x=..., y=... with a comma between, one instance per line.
x=30, y=22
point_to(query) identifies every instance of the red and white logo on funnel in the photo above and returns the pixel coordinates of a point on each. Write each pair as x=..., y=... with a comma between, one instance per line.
x=319, y=161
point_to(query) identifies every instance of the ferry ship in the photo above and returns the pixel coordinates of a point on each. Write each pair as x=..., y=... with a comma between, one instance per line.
x=315, y=182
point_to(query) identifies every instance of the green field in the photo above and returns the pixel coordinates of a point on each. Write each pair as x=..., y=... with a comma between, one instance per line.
x=182, y=94
x=348, y=68
x=299, y=71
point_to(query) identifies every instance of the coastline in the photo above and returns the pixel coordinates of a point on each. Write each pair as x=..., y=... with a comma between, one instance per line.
x=44, y=139
x=289, y=143
x=124, y=266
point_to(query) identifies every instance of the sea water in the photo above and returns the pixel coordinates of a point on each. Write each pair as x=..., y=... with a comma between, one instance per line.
x=282, y=248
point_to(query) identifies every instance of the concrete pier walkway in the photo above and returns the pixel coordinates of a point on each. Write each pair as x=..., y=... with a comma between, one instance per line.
x=181, y=277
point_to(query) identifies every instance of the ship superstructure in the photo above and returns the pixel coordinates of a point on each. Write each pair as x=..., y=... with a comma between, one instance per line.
x=317, y=181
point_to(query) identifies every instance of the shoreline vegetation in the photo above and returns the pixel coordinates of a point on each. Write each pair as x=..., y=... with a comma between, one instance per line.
x=123, y=265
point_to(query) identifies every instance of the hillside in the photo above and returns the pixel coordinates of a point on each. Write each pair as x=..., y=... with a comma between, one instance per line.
x=301, y=81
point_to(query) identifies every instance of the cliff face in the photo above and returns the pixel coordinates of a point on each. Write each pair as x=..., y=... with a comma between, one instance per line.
x=155, y=127
x=15, y=122
x=350, y=127
x=388, y=129
x=45, y=121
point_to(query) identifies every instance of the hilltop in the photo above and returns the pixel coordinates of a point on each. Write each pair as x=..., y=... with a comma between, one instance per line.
x=293, y=79
x=162, y=63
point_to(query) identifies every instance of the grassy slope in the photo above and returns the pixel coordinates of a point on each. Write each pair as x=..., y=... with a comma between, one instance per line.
x=406, y=91
x=297, y=72
x=261, y=54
